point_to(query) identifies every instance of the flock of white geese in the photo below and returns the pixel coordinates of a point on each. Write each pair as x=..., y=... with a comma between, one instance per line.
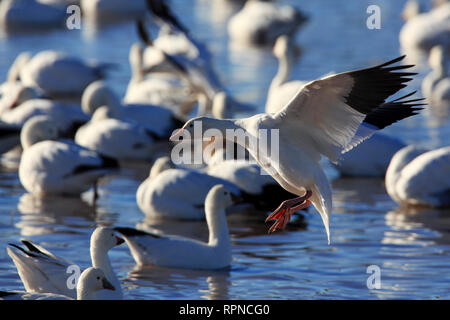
x=75, y=130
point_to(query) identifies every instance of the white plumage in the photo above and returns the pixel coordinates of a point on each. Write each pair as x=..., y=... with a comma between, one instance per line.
x=417, y=176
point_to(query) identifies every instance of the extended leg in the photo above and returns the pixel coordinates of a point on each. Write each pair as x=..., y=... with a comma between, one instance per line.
x=283, y=213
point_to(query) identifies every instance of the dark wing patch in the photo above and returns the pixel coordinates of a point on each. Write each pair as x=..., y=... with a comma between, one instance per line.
x=107, y=163
x=9, y=131
x=162, y=11
x=372, y=86
x=131, y=232
x=393, y=111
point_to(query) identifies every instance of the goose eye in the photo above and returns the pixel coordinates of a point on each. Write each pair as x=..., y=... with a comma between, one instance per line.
x=98, y=278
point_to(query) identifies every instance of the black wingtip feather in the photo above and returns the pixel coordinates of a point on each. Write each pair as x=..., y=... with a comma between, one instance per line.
x=395, y=110
x=131, y=232
x=28, y=253
x=143, y=34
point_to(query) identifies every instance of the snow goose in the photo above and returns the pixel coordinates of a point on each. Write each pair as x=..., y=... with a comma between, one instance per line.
x=424, y=31
x=201, y=78
x=48, y=72
x=20, y=15
x=324, y=118
x=159, y=120
x=67, y=118
x=58, y=167
x=438, y=61
x=91, y=286
x=155, y=195
x=179, y=252
x=16, y=94
x=371, y=158
x=281, y=91
x=119, y=139
x=417, y=176
x=43, y=272
x=261, y=22
x=113, y=10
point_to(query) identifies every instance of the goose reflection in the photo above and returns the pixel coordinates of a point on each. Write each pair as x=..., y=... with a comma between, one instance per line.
x=40, y=216
x=181, y=283
x=418, y=224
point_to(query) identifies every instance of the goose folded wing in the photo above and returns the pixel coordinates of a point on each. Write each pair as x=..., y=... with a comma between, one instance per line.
x=329, y=111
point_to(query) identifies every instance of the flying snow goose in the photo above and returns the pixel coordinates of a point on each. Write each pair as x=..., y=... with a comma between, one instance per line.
x=58, y=167
x=43, y=272
x=91, y=286
x=180, y=252
x=324, y=118
x=371, y=158
x=261, y=22
x=67, y=118
x=48, y=71
x=20, y=15
x=119, y=139
x=159, y=120
x=280, y=90
x=417, y=176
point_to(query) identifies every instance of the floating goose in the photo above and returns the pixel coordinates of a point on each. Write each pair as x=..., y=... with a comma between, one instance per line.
x=179, y=252
x=67, y=118
x=417, y=176
x=324, y=118
x=43, y=272
x=58, y=167
x=20, y=15
x=261, y=22
x=424, y=31
x=159, y=120
x=201, y=77
x=438, y=61
x=91, y=285
x=155, y=195
x=371, y=158
x=48, y=71
x=119, y=139
x=280, y=91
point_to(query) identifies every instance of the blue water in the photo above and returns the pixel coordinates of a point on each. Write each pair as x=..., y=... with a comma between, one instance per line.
x=411, y=248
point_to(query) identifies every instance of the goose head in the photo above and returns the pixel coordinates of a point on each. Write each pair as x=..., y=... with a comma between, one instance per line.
x=91, y=281
x=104, y=112
x=36, y=129
x=105, y=238
x=22, y=94
x=161, y=164
x=98, y=94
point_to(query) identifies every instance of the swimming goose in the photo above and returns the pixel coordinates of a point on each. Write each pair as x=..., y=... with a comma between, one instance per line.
x=282, y=91
x=418, y=176
x=48, y=72
x=424, y=31
x=439, y=63
x=20, y=15
x=58, y=167
x=200, y=77
x=261, y=22
x=91, y=285
x=43, y=272
x=327, y=117
x=155, y=195
x=179, y=252
x=371, y=158
x=116, y=138
x=159, y=120
x=67, y=118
